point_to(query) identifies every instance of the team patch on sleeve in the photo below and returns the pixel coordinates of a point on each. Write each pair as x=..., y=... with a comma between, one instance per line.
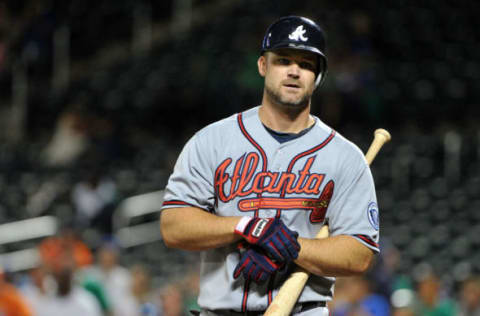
x=373, y=217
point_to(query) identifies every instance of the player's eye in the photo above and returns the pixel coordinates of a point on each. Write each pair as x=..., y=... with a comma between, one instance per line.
x=283, y=61
x=307, y=65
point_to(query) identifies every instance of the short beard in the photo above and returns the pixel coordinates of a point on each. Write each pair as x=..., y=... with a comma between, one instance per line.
x=298, y=105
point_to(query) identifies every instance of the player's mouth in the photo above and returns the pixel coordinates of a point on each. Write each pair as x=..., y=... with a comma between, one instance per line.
x=292, y=86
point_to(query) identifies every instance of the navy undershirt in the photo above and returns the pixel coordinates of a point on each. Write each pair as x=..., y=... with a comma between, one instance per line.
x=285, y=137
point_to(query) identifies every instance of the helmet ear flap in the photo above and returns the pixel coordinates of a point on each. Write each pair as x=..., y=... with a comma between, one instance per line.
x=318, y=79
x=322, y=71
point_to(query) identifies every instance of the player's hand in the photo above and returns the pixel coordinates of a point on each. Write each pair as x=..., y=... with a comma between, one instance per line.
x=256, y=266
x=271, y=235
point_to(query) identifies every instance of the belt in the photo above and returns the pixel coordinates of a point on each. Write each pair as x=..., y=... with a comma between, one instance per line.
x=298, y=308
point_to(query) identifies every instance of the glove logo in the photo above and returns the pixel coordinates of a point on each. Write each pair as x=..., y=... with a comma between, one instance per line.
x=372, y=213
x=298, y=34
x=257, y=231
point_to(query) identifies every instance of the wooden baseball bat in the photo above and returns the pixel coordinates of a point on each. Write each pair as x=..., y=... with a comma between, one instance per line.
x=291, y=289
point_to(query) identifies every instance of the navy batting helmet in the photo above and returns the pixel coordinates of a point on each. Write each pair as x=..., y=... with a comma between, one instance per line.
x=298, y=33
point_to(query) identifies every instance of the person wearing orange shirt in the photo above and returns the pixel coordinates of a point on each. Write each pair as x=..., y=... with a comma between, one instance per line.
x=11, y=301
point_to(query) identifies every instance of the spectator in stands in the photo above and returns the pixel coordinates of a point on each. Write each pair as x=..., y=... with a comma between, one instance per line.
x=94, y=199
x=383, y=273
x=171, y=298
x=69, y=140
x=366, y=302
x=341, y=300
x=67, y=249
x=190, y=286
x=142, y=291
x=469, y=300
x=56, y=250
x=12, y=303
x=430, y=301
x=69, y=298
x=139, y=299
x=115, y=278
x=38, y=290
x=357, y=299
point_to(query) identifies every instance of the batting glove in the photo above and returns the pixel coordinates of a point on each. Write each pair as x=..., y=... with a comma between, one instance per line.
x=271, y=235
x=256, y=266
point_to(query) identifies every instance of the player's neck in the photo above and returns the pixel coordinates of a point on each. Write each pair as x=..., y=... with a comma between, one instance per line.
x=284, y=120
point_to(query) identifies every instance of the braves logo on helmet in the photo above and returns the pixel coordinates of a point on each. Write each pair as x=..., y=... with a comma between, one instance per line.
x=298, y=34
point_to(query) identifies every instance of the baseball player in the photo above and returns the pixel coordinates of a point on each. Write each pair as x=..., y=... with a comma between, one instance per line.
x=251, y=191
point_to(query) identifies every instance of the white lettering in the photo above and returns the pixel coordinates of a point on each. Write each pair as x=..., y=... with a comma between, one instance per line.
x=257, y=231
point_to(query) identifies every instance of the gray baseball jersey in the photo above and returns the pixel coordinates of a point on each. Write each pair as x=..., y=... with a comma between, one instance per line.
x=234, y=167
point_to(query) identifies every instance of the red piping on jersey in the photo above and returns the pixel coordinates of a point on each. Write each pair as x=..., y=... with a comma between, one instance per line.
x=175, y=202
x=300, y=155
x=259, y=195
x=245, y=295
x=254, y=143
x=368, y=240
x=270, y=291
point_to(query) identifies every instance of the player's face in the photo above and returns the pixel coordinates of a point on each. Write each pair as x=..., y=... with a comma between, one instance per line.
x=289, y=76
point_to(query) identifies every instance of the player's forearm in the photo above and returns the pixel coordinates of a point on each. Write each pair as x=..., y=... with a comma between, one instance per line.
x=190, y=228
x=334, y=256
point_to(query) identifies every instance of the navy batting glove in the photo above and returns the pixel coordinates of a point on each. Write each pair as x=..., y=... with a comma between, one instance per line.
x=271, y=235
x=256, y=266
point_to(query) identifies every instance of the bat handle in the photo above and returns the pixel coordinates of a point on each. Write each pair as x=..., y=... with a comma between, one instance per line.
x=290, y=291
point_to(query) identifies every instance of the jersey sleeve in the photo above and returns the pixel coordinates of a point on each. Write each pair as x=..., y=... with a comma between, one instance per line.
x=191, y=183
x=353, y=210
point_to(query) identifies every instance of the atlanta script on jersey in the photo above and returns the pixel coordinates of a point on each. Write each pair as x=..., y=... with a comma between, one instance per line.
x=234, y=167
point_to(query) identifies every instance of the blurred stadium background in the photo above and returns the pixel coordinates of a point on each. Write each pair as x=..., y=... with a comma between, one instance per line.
x=103, y=94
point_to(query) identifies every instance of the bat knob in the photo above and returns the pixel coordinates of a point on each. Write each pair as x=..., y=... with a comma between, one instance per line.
x=380, y=132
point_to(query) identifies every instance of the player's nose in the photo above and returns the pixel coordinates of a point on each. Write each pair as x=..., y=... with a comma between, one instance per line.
x=293, y=71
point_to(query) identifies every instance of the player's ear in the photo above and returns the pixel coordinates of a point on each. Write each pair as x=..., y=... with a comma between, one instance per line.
x=262, y=65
